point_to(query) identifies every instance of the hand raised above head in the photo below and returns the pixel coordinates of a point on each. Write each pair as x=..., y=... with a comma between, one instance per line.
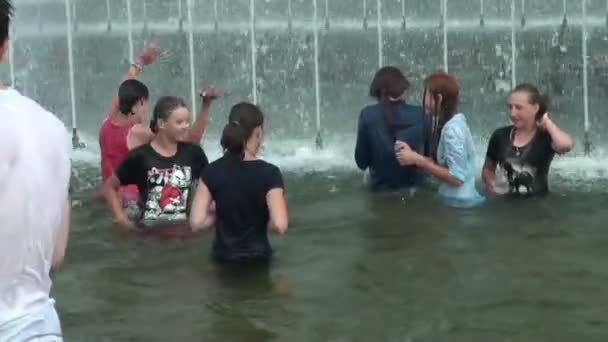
x=210, y=94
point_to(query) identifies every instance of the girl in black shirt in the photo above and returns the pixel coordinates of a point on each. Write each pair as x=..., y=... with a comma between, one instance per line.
x=247, y=192
x=525, y=149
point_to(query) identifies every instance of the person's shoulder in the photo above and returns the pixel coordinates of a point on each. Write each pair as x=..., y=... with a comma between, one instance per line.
x=411, y=107
x=186, y=146
x=268, y=168
x=141, y=150
x=504, y=131
x=369, y=111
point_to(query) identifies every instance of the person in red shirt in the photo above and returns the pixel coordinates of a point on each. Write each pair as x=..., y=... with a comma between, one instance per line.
x=125, y=124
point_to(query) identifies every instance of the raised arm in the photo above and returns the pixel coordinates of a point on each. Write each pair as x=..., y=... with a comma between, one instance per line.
x=195, y=134
x=148, y=56
x=561, y=142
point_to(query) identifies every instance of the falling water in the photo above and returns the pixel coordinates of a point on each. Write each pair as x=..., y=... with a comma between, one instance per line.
x=379, y=25
x=191, y=51
x=481, y=19
x=68, y=14
x=254, y=88
x=109, y=11
x=403, y=24
x=130, y=30
x=585, y=81
x=513, y=45
x=445, y=34
x=319, y=140
x=11, y=57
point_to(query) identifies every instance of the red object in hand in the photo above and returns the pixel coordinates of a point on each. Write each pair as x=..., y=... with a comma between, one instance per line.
x=149, y=54
x=210, y=94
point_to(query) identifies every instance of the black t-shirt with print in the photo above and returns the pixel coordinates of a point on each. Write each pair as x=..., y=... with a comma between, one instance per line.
x=165, y=183
x=526, y=167
x=239, y=189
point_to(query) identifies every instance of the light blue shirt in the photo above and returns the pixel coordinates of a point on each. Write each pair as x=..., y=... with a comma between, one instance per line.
x=456, y=153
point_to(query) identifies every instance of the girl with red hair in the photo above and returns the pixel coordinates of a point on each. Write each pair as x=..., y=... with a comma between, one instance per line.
x=453, y=154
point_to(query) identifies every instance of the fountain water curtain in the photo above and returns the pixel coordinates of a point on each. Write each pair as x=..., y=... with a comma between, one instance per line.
x=76, y=143
x=144, y=14
x=365, y=14
x=319, y=138
x=509, y=64
x=444, y=18
x=216, y=17
x=379, y=27
x=11, y=56
x=513, y=46
x=109, y=11
x=327, y=15
x=190, y=5
x=585, y=57
x=130, y=31
x=254, y=51
x=482, y=22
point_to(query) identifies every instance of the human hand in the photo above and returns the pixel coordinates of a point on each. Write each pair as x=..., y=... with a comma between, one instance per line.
x=124, y=222
x=399, y=145
x=542, y=123
x=405, y=155
x=209, y=95
x=151, y=53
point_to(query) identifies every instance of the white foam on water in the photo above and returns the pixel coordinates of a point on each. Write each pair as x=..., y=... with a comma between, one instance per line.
x=301, y=156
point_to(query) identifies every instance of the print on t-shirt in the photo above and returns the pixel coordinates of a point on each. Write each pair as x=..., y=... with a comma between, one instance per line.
x=168, y=193
x=520, y=175
x=525, y=168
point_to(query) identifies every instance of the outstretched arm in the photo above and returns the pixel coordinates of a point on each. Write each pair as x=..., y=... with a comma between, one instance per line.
x=146, y=57
x=195, y=134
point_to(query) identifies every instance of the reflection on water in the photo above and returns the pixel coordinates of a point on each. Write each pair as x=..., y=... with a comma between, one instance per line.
x=353, y=267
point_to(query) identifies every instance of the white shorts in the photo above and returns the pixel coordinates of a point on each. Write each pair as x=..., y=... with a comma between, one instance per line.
x=41, y=326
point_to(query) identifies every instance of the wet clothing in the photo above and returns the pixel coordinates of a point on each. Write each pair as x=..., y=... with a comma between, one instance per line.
x=165, y=184
x=527, y=167
x=34, y=181
x=239, y=189
x=375, y=148
x=456, y=152
x=113, y=146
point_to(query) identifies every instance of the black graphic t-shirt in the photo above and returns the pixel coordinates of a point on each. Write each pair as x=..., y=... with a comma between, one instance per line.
x=165, y=183
x=239, y=189
x=527, y=167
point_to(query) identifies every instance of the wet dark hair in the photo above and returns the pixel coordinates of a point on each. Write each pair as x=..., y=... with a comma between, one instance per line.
x=163, y=109
x=6, y=14
x=446, y=85
x=243, y=119
x=534, y=97
x=389, y=82
x=129, y=93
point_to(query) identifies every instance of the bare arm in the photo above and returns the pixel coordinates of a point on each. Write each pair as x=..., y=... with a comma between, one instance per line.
x=202, y=215
x=61, y=241
x=132, y=73
x=147, y=56
x=110, y=189
x=195, y=134
x=139, y=135
x=442, y=173
x=488, y=175
x=561, y=142
x=277, y=207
